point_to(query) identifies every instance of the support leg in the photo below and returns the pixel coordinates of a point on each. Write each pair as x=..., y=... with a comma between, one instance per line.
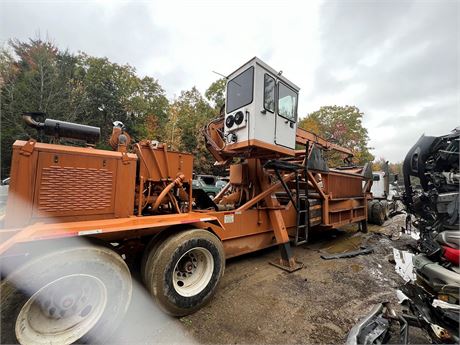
x=286, y=261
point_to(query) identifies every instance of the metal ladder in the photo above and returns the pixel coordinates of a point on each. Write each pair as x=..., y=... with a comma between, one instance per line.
x=303, y=205
x=301, y=202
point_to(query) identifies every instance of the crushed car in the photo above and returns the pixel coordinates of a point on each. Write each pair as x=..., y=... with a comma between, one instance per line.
x=430, y=301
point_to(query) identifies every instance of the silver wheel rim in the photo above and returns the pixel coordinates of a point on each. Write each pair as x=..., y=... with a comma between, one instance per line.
x=62, y=311
x=193, y=271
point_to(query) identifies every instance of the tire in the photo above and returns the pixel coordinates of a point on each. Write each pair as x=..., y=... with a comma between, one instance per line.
x=183, y=273
x=378, y=213
x=150, y=249
x=370, y=205
x=386, y=209
x=72, y=295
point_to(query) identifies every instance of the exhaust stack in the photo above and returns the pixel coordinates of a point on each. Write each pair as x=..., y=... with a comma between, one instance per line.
x=63, y=129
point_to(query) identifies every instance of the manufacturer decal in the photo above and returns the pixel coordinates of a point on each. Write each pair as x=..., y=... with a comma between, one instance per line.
x=229, y=218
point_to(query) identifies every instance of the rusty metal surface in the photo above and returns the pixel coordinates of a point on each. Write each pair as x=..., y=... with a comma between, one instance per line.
x=342, y=185
x=72, y=189
x=157, y=163
x=50, y=183
x=108, y=228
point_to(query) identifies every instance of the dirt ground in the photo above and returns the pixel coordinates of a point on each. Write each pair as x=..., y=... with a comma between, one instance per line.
x=258, y=303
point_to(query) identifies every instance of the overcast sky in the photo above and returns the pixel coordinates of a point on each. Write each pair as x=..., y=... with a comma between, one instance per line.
x=398, y=61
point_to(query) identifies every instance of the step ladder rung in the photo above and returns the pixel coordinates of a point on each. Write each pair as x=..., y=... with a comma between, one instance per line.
x=302, y=202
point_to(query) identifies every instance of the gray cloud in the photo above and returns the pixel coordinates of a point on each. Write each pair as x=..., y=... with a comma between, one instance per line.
x=398, y=61
x=406, y=57
x=124, y=32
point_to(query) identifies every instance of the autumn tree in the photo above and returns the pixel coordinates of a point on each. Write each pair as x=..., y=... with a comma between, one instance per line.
x=343, y=126
x=394, y=168
x=37, y=76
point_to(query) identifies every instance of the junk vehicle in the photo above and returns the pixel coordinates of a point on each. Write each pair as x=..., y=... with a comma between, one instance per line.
x=209, y=189
x=384, y=201
x=136, y=203
x=431, y=300
x=207, y=179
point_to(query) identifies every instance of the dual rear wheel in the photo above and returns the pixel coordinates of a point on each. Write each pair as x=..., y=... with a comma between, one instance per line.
x=80, y=294
x=77, y=294
x=182, y=271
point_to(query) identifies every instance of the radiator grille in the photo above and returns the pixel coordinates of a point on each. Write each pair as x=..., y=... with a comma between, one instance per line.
x=75, y=189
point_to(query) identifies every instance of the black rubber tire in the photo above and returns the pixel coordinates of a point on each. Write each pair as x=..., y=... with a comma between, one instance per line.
x=378, y=213
x=386, y=209
x=370, y=204
x=100, y=262
x=160, y=267
x=150, y=249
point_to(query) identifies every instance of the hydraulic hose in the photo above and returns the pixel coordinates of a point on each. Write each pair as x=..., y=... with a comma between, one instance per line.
x=176, y=182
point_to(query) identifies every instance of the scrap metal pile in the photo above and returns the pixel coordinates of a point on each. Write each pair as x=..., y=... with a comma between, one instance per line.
x=431, y=300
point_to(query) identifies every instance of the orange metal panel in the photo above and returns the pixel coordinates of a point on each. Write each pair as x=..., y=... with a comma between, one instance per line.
x=40, y=231
x=238, y=174
x=342, y=185
x=21, y=190
x=56, y=183
x=125, y=187
x=159, y=164
x=72, y=184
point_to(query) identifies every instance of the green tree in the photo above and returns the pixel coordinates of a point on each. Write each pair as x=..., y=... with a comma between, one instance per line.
x=37, y=76
x=190, y=112
x=113, y=92
x=216, y=93
x=343, y=126
x=34, y=76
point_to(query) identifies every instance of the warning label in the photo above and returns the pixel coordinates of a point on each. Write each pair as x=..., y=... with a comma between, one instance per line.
x=229, y=218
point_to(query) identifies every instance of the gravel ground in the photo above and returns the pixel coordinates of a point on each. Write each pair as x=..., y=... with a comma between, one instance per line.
x=260, y=304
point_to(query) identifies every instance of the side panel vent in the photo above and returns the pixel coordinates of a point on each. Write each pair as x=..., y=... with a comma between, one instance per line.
x=75, y=189
x=72, y=185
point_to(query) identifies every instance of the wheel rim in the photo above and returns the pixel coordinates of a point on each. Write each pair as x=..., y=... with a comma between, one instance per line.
x=193, y=271
x=62, y=311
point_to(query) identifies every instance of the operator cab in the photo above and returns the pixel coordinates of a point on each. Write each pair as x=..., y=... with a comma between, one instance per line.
x=261, y=110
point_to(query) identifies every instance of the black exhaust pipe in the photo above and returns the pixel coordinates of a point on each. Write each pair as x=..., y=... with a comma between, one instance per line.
x=63, y=129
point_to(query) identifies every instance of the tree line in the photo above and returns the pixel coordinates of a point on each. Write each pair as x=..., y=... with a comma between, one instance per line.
x=37, y=76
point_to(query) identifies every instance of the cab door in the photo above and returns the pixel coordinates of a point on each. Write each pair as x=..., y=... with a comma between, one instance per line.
x=286, y=116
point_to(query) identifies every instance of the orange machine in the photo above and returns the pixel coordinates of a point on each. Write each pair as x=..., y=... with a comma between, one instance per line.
x=136, y=204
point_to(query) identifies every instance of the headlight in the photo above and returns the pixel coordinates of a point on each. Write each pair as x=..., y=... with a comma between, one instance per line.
x=232, y=138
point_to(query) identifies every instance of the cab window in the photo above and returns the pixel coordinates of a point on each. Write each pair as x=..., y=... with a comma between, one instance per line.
x=240, y=90
x=287, y=102
x=269, y=93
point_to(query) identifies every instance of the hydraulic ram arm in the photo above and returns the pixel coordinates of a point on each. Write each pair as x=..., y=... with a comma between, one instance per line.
x=303, y=136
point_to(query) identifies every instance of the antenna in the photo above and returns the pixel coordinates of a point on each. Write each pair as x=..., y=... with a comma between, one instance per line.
x=226, y=78
x=220, y=74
